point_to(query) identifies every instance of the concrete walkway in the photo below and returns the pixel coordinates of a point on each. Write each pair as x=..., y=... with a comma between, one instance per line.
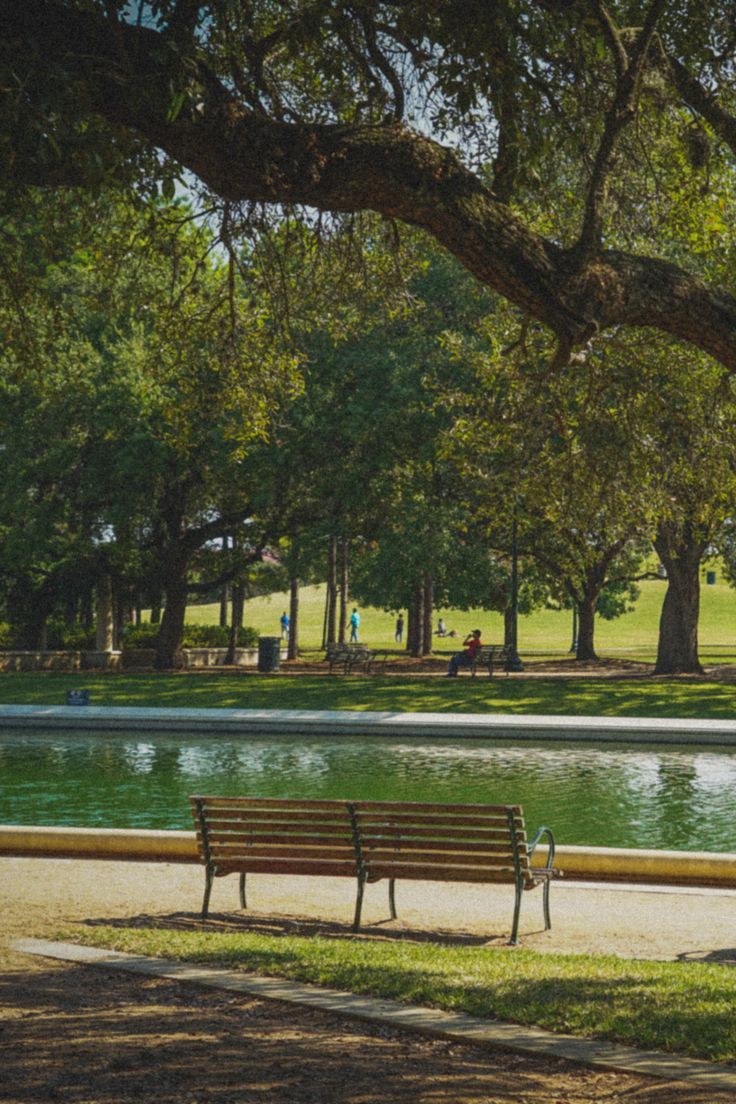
x=660, y=730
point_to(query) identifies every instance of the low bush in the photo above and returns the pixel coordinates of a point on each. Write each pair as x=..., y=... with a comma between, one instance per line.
x=195, y=636
x=69, y=636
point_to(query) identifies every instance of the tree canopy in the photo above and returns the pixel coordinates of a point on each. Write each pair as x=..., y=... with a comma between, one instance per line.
x=468, y=119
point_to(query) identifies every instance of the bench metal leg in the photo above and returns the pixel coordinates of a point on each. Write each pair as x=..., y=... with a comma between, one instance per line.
x=392, y=898
x=243, y=905
x=515, y=926
x=208, y=879
x=545, y=905
x=358, y=904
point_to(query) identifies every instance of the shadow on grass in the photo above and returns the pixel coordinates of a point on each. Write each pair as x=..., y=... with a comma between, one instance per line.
x=680, y=1008
x=386, y=931
x=628, y=696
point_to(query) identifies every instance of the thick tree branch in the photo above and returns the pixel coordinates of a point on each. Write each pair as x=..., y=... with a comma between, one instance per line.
x=620, y=113
x=242, y=155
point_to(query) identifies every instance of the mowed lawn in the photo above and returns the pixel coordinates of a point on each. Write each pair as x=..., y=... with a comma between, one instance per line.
x=544, y=632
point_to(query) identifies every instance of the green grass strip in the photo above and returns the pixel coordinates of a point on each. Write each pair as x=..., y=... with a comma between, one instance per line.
x=684, y=1008
x=575, y=696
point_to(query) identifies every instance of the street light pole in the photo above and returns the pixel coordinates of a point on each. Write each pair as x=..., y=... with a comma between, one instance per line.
x=514, y=661
x=574, y=645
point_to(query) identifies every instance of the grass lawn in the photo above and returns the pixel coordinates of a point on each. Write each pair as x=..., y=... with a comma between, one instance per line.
x=686, y=1008
x=576, y=696
x=546, y=631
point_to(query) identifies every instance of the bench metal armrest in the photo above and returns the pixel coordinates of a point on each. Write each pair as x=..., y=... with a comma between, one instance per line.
x=544, y=831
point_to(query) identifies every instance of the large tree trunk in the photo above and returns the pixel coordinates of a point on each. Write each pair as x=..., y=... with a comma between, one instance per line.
x=586, y=626
x=331, y=591
x=168, y=644
x=418, y=622
x=104, y=622
x=681, y=552
x=236, y=620
x=343, y=625
x=428, y=614
x=156, y=608
x=292, y=651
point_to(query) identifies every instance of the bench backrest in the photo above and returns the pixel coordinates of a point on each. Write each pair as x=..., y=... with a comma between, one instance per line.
x=470, y=843
x=279, y=835
x=383, y=839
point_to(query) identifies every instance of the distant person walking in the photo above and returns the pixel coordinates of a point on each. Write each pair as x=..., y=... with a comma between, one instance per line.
x=399, y=634
x=354, y=625
x=284, y=625
x=472, y=646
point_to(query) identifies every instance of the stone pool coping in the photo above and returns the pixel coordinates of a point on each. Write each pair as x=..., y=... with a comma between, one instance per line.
x=298, y=722
x=457, y=1026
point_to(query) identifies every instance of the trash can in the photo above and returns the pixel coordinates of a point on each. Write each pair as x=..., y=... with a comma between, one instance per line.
x=269, y=653
x=710, y=578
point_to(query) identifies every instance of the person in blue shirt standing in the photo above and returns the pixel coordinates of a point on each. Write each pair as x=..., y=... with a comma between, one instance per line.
x=354, y=623
x=284, y=625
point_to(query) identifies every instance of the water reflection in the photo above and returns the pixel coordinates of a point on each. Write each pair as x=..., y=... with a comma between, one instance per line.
x=598, y=794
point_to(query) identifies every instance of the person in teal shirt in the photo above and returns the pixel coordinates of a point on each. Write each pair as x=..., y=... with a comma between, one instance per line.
x=354, y=623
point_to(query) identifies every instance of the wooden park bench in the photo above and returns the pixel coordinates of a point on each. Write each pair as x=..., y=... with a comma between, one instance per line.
x=347, y=657
x=370, y=841
x=490, y=656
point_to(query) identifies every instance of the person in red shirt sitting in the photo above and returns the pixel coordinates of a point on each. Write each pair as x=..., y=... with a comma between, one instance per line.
x=472, y=645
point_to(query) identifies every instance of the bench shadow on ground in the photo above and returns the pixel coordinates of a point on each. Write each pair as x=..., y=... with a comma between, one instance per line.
x=721, y=956
x=275, y=925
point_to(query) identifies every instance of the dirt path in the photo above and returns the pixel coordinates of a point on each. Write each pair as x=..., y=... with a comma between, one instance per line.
x=87, y=1036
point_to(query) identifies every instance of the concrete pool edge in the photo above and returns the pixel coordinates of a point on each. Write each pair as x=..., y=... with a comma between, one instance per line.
x=596, y=864
x=664, y=730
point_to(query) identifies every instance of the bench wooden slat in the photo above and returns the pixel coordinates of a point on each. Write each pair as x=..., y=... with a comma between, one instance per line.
x=440, y=858
x=233, y=852
x=431, y=872
x=370, y=822
x=237, y=817
x=273, y=802
x=499, y=811
x=313, y=839
x=485, y=847
x=335, y=868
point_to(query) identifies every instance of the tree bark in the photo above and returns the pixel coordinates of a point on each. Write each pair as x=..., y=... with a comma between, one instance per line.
x=344, y=576
x=427, y=614
x=586, y=626
x=236, y=620
x=681, y=551
x=293, y=646
x=418, y=622
x=128, y=73
x=170, y=635
x=331, y=590
x=103, y=615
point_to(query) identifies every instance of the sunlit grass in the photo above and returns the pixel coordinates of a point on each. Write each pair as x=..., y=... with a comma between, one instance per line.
x=574, y=696
x=686, y=1008
x=546, y=631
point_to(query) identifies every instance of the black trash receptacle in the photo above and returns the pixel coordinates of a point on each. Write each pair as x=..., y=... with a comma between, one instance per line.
x=269, y=653
x=710, y=578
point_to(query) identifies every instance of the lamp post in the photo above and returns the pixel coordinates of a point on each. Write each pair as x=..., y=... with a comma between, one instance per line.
x=574, y=645
x=514, y=661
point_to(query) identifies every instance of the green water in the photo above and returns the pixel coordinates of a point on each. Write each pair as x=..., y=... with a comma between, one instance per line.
x=589, y=794
x=596, y=794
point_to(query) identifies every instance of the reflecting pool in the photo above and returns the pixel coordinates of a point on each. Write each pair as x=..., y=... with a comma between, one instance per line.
x=609, y=795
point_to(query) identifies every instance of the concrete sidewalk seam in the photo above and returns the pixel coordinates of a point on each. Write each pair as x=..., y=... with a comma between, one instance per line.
x=429, y=1021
